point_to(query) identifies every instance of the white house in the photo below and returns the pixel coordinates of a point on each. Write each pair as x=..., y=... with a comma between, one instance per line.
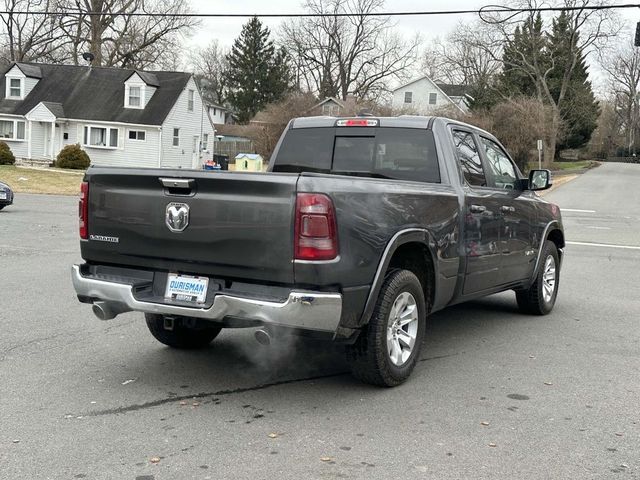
x=424, y=96
x=218, y=114
x=120, y=117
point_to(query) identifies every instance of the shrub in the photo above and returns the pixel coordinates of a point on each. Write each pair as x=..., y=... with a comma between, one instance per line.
x=72, y=156
x=6, y=155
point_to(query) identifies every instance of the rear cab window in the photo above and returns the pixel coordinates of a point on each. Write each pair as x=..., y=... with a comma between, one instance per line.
x=380, y=152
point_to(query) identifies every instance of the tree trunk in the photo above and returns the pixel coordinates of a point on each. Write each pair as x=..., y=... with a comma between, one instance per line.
x=552, y=140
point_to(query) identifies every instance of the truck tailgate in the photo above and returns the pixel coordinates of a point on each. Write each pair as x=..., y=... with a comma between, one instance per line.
x=240, y=224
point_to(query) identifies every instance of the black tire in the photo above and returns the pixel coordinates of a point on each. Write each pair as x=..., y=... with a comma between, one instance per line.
x=369, y=357
x=2, y=206
x=181, y=336
x=532, y=300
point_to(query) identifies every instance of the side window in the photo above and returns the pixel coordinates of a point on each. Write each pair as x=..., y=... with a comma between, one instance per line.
x=501, y=170
x=469, y=158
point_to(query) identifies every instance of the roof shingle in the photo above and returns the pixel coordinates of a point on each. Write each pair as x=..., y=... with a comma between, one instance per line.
x=96, y=93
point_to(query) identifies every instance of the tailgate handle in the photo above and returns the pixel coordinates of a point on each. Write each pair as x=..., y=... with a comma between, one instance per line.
x=178, y=186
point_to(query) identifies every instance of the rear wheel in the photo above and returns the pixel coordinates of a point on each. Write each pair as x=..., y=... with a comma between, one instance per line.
x=178, y=334
x=387, y=350
x=540, y=298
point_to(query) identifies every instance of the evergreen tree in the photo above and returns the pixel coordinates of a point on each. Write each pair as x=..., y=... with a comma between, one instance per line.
x=580, y=109
x=527, y=46
x=258, y=73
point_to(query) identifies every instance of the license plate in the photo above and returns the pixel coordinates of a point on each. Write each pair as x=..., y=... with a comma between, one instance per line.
x=186, y=289
x=3, y=195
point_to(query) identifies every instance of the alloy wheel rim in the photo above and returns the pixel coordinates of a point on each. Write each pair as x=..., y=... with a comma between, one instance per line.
x=549, y=279
x=402, y=329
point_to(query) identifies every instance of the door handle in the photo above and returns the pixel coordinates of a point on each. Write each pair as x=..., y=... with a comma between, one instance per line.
x=508, y=209
x=477, y=208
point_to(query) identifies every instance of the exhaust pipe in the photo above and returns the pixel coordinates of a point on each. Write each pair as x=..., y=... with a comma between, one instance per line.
x=263, y=337
x=107, y=310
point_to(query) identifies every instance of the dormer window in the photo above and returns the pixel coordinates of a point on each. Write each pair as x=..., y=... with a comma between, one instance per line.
x=134, y=95
x=15, y=87
x=135, y=99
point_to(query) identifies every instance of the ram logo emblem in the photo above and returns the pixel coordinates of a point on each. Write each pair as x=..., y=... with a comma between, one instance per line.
x=177, y=217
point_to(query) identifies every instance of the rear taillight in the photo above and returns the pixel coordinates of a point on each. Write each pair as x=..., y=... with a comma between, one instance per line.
x=83, y=210
x=316, y=233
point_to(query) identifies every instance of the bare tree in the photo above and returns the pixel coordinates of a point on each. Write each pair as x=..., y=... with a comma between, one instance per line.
x=115, y=37
x=586, y=31
x=357, y=54
x=27, y=36
x=210, y=66
x=468, y=55
x=623, y=67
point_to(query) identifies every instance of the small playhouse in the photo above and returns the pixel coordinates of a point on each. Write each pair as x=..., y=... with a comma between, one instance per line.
x=249, y=162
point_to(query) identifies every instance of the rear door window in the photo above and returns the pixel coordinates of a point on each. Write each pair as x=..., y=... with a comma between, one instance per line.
x=469, y=158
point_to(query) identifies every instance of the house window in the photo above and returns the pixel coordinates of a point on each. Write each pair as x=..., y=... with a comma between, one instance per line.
x=15, y=87
x=205, y=142
x=190, y=100
x=433, y=98
x=12, y=129
x=408, y=97
x=135, y=96
x=137, y=135
x=176, y=137
x=100, y=137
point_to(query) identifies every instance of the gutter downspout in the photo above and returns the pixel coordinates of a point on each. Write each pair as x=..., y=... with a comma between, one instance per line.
x=160, y=147
x=29, y=140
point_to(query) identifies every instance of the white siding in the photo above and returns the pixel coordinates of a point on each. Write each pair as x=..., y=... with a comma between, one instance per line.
x=130, y=153
x=41, y=114
x=148, y=93
x=29, y=84
x=191, y=123
x=420, y=90
x=217, y=115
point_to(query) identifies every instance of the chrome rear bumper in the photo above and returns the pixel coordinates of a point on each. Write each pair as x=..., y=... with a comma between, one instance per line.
x=302, y=310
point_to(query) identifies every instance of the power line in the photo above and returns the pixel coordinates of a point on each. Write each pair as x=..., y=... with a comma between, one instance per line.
x=481, y=11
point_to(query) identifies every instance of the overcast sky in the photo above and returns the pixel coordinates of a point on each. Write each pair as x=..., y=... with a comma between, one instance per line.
x=225, y=30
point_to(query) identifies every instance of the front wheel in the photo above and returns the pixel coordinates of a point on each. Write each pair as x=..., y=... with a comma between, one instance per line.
x=540, y=298
x=387, y=350
x=179, y=335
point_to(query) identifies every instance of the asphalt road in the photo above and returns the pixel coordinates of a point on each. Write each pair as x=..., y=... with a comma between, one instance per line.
x=80, y=398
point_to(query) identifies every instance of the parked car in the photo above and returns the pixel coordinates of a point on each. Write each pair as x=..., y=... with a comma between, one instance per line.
x=362, y=228
x=6, y=195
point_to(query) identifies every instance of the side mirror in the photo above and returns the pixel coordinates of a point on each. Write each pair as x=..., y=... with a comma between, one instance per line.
x=539, y=180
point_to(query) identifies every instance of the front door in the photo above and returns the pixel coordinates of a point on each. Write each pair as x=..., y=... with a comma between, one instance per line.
x=482, y=219
x=195, y=152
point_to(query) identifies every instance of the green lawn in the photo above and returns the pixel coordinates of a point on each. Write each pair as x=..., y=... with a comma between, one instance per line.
x=560, y=166
x=32, y=180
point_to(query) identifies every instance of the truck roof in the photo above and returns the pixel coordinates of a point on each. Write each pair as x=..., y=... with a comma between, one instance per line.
x=402, y=121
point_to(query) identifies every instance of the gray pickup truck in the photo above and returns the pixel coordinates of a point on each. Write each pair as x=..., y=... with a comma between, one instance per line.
x=361, y=228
